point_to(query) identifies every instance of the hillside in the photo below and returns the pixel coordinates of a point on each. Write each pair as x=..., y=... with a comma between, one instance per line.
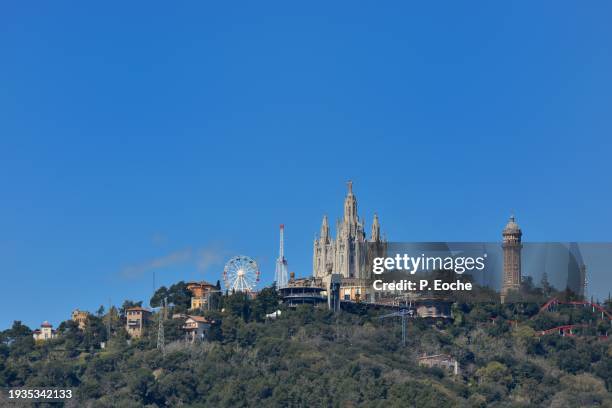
x=310, y=357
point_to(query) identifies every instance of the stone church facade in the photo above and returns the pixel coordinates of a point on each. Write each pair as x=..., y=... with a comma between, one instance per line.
x=349, y=253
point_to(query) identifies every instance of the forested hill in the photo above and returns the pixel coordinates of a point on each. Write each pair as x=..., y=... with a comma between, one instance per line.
x=310, y=357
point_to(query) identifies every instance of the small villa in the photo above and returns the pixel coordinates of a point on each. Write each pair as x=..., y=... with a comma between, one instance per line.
x=45, y=332
x=196, y=327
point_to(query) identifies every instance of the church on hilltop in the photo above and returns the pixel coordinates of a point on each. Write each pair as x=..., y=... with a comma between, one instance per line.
x=348, y=254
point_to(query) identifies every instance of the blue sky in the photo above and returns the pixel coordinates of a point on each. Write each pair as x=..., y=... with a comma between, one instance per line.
x=149, y=136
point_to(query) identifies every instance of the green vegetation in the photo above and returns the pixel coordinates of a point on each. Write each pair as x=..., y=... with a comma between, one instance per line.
x=310, y=357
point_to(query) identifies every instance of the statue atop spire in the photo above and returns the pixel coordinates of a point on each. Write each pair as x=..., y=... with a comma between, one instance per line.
x=349, y=185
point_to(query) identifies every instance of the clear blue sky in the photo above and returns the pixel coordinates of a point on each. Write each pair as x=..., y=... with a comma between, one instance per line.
x=141, y=136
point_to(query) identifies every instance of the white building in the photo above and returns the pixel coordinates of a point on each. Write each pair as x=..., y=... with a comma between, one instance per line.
x=195, y=327
x=45, y=332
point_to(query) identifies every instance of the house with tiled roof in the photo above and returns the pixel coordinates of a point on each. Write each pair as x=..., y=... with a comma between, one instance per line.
x=135, y=320
x=196, y=327
x=45, y=332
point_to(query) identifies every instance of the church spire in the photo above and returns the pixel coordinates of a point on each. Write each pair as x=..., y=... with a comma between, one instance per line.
x=324, y=235
x=350, y=209
x=375, y=229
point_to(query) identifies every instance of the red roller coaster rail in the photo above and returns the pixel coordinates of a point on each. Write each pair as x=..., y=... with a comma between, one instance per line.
x=595, y=307
x=567, y=330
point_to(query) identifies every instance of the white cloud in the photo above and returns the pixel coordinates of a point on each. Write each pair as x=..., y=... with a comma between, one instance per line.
x=173, y=258
x=209, y=256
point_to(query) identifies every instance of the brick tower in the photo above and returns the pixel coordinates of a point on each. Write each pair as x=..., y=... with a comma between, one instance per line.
x=512, y=258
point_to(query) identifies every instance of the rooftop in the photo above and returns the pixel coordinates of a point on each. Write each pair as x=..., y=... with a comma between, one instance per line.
x=199, y=319
x=512, y=226
x=138, y=309
x=201, y=283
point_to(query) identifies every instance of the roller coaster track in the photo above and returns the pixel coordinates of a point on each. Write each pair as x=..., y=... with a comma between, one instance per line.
x=567, y=330
x=595, y=307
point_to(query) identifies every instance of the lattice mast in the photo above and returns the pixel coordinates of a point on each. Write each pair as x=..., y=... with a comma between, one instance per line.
x=161, y=341
x=281, y=263
x=404, y=314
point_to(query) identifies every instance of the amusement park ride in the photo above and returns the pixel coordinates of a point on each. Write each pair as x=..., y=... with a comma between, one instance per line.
x=241, y=274
x=281, y=263
x=571, y=329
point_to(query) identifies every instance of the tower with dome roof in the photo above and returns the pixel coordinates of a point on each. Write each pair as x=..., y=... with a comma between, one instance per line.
x=512, y=246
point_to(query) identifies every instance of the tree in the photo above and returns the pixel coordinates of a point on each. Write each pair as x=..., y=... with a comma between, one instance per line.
x=574, y=361
x=159, y=295
x=215, y=297
x=178, y=295
x=523, y=334
x=547, y=288
x=238, y=304
x=266, y=302
x=100, y=311
x=603, y=369
x=494, y=372
x=141, y=383
x=19, y=339
x=569, y=295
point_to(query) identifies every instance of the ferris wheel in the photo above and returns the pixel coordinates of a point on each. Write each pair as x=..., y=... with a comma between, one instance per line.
x=241, y=274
